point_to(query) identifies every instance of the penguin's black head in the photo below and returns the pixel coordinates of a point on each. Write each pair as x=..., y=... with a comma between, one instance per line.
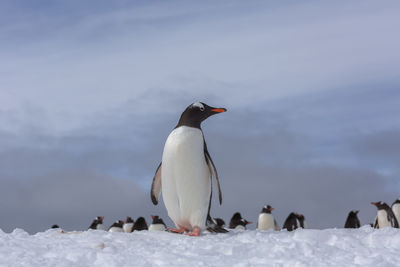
x=99, y=219
x=157, y=220
x=267, y=209
x=355, y=212
x=300, y=217
x=55, y=226
x=129, y=220
x=140, y=224
x=196, y=113
x=397, y=201
x=380, y=205
x=219, y=222
x=236, y=216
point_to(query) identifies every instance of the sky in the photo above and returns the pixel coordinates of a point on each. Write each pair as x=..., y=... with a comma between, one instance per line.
x=90, y=91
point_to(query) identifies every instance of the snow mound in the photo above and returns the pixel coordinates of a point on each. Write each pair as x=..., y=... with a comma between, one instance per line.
x=303, y=247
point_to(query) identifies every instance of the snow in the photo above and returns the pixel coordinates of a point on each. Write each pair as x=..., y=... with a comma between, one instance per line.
x=304, y=247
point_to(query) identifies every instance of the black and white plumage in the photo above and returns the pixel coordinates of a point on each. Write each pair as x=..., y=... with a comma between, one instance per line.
x=266, y=220
x=157, y=224
x=220, y=222
x=140, y=224
x=97, y=223
x=385, y=216
x=396, y=209
x=237, y=222
x=185, y=173
x=294, y=221
x=116, y=226
x=352, y=220
x=128, y=225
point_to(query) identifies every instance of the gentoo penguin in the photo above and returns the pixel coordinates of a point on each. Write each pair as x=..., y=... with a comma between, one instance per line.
x=55, y=226
x=116, y=227
x=266, y=219
x=97, y=223
x=184, y=174
x=128, y=225
x=396, y=209
x=219, y=222
x=157, y=224
x=140, y=224
x=294, y=221
x=237, y=222
x=385, y=216
x=352, y=220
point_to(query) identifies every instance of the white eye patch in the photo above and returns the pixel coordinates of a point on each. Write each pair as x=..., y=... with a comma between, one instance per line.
x=199, y=105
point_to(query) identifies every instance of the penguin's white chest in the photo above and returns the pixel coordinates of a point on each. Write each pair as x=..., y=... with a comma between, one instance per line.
x=383, y=220
x=266, y=221
x=116, y=229
x=185, y=178
x=396, y=211
x=128, y=227
x=100, y=226
x=157, y=227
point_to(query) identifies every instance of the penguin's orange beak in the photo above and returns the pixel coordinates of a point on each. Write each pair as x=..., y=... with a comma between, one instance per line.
x=219, y=110
x=373, y=203
x=249, y=222
x=152, y=216
x=272, y=209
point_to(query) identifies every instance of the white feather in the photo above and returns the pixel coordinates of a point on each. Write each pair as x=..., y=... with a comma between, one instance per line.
x=127, y=227
x=157, y=227
x=100, y=227
x=115, y=229
x=382, y=219
x=265, y=221
x=240, y=227
x=185, y=178
x=396, y=211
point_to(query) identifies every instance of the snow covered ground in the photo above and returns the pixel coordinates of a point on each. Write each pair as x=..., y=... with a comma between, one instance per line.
x=330, y=247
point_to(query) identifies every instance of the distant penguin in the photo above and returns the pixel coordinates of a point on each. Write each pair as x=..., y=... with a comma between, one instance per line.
x=294, y=221
x=266, y=220
x=396, y=209
x=237, y=222
x=116, y=227
x=97, y=223
x=352, y=220
x=128, y=225
x=219, y=222
x=385, y=216
x=55, y=226
x=140, y=224
x=185, y=173
x=157, y=224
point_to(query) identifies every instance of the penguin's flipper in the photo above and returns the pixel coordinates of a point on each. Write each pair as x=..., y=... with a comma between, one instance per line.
x=156, y=186
x=376, y=222
x=213, y=171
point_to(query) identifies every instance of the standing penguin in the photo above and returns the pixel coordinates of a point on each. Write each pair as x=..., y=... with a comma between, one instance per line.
x=237, y=222
x=128, y=225
x=385, y=216
x=294, y=221
x=396, y=209
x=184, y=175
x=157, y=224
x=266, y=220
x=352, y=220
x=97, y=223
x=140, y=224
x=116, y=227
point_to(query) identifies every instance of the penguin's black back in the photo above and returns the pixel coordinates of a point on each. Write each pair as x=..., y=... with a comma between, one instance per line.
x=96, y=221
x=235, y=220
x=55, y=226
x=290, y=222
x=352, y=220
x=118, y=224
x=158, y=220
x=140, y=224
x=220, y=222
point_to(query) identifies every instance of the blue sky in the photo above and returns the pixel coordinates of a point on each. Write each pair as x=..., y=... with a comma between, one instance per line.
x=89, y=92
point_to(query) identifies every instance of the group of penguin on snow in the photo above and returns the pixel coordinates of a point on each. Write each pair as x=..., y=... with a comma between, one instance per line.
x=386, y=217
x=185, y=176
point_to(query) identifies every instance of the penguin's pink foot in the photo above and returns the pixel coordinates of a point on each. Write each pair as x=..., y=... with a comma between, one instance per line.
x=195, y=232
x=179, y=230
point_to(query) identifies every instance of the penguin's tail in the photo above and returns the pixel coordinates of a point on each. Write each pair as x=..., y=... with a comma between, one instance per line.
x=212, y=227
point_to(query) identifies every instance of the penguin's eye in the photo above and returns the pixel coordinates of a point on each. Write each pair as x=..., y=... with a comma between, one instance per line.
x=202, y=108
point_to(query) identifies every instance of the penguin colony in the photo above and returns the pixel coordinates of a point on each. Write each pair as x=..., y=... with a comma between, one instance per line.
x=185, y=176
